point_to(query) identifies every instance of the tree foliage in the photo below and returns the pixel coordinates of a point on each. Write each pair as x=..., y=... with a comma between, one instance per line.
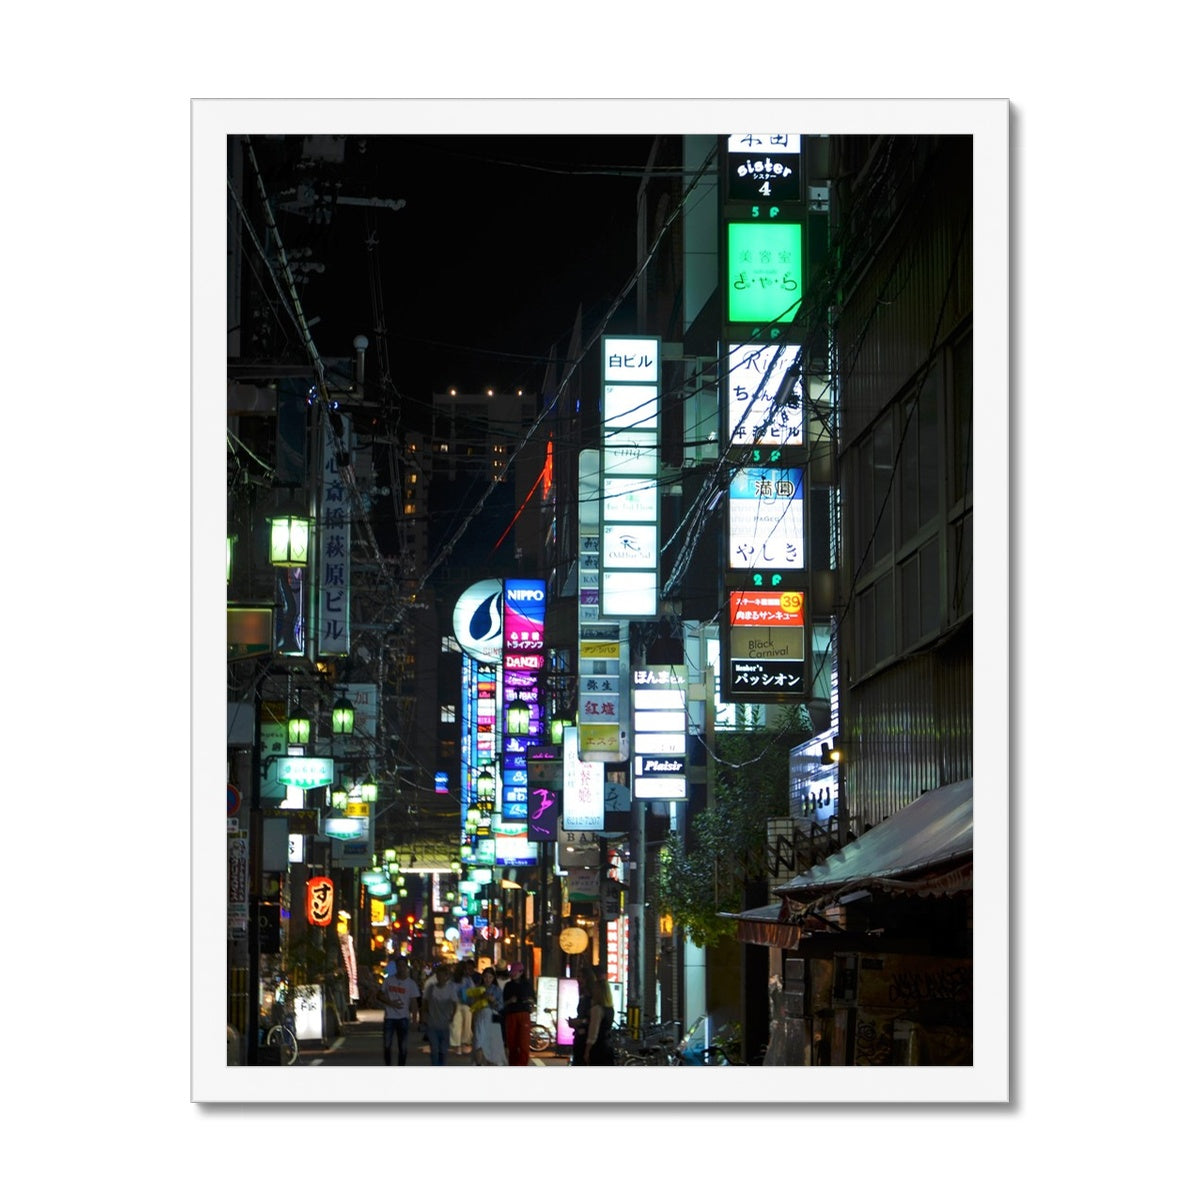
x=725, y=847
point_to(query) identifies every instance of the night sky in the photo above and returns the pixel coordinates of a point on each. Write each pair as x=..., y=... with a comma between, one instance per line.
x=500, y=240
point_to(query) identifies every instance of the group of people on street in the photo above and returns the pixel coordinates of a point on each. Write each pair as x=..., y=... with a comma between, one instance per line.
x=486, y=1014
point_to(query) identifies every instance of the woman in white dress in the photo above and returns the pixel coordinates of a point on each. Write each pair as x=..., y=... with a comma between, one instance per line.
x=486, y=1004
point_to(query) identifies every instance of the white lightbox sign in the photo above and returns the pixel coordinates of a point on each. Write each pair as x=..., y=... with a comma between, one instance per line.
x=630, y=360
x=662, y=743
x=583, y=786
x=304, y=772
x=658, y=698
x=766, y=519
x=630, y=593
x=345, y=827
x=630, y=407
x=660, y=789
x=631, y=452
x=657, y=721
x=630, y=546
x=777, y=143
x=630, y=499
x=309, y=1011
x=757, y=375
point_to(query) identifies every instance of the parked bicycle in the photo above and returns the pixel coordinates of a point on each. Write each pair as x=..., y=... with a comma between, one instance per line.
x=656, y=1047
x=710, y=1044
x=279, y=1033
x=541, y=1037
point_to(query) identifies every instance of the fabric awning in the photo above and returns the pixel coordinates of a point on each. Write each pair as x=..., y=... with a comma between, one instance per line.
x=925, y=848
x=931, y=837
x=765, y=926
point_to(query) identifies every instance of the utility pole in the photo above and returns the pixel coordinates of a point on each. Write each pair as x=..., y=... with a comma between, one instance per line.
x=254, y=897
x=636, y=1004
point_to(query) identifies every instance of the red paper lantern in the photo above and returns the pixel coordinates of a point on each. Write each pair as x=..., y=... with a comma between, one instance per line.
x=319, y=900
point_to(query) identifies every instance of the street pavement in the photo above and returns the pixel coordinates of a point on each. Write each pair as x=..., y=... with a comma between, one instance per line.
x=359, y=1043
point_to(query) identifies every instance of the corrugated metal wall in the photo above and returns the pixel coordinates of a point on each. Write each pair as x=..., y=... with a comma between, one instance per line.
x=909, y=729
x=887, y=323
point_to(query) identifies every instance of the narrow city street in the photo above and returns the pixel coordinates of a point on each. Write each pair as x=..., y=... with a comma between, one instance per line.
x=360, y=1044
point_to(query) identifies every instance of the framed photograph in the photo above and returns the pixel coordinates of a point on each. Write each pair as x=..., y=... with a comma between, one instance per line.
x=803, y=865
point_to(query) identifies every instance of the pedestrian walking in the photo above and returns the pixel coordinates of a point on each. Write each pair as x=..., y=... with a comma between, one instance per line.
x=401, y=997
x=583, y=1015
x=518, y=1006
x=487, y=1004
x=460, y=1027
x=502, y=978
x=440, y=1000
x=598, y=1051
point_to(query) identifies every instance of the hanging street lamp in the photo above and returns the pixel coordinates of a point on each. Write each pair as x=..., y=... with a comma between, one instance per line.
x=343, y=717
x=518, y=718
x=289, y=540
x=299, y=728
x=485, y=784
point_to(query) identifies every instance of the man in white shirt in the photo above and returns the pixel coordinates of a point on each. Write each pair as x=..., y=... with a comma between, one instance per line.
x=439, y=1001
x=401, y=996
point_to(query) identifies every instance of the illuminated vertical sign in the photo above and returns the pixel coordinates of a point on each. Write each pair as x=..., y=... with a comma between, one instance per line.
x=524, y=623
x=583, y=787
x=659, y=733
x=545, y=790
x=631, y=373
x=603, y=646
x=291, y=611
x=765, y=429
x=333, y=582
x=524, y=644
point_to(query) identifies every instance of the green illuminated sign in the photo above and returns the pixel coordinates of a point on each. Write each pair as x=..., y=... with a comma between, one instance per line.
x=304, y=772
x=764, y=272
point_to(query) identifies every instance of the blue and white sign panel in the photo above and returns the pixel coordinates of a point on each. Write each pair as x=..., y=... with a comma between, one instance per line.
x=766, y=521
